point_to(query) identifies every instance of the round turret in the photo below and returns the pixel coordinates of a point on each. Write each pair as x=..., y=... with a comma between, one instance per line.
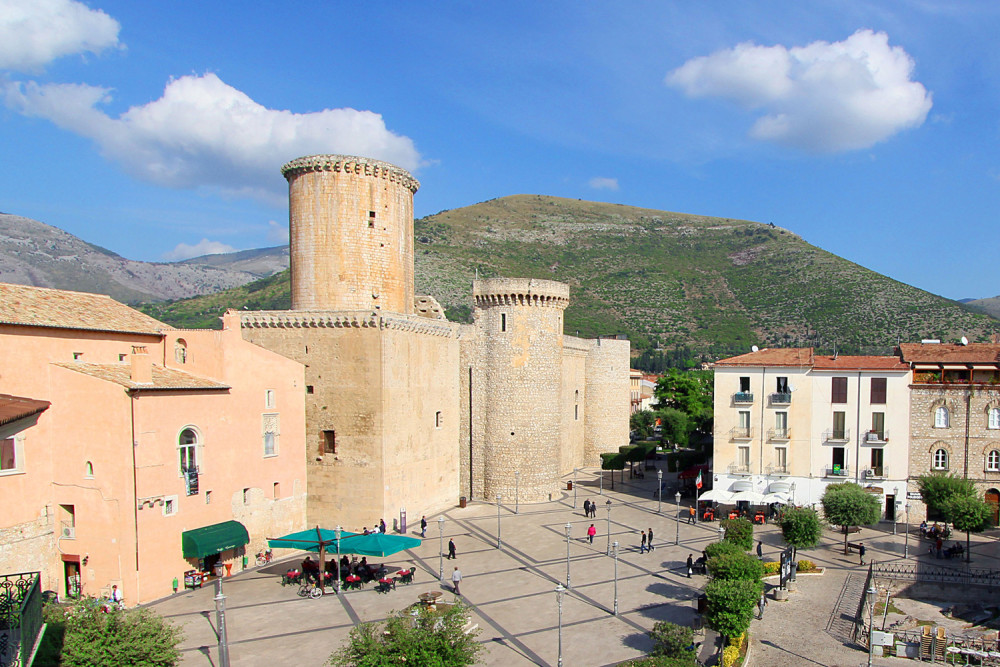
x=350, y=233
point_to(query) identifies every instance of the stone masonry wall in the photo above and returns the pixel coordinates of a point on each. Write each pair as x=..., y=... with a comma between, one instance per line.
x=607, y=398
x=573, y=403
x=351, y=234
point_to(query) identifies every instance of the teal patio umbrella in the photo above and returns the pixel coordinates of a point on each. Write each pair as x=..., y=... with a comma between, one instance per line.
x=314, y=539
x=378, y=544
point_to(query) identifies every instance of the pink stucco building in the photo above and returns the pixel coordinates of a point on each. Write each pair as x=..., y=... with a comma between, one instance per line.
x=162, y=450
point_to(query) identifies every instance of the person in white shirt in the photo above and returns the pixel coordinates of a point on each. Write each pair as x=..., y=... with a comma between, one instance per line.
x=456, y=579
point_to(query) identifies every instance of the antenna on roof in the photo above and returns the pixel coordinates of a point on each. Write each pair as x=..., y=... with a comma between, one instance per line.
x=964, y=340
x=754, y=348
x=835, y=352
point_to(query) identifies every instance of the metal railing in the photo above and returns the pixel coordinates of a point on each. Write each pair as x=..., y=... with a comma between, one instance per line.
x=776, y=470
x=739, y=468
x=878, y=472
x=836, y=471
x=741, y=433
x=877, y=436
x=837, y=435
x=20, y=617
x=743, y=397
x=781, y=398
x=779, y=434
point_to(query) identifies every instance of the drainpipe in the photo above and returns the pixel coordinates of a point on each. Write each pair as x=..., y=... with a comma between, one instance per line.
x=135, y=491
x=763, y=397
x=968, y=415
x=857, y=434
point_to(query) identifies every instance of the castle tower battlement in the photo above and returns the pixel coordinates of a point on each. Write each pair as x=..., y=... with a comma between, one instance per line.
x=520, y=292
x=351, y=234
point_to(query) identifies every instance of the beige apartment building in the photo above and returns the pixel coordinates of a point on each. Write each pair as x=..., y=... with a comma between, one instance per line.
x=792, y=422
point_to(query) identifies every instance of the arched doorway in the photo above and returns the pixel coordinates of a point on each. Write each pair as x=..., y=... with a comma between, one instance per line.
x=993, y=499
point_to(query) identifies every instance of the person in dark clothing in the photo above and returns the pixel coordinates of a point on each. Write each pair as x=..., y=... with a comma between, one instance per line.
x=423, y=526
x=451, y=549
x=760, y=550
x=690, y=565
x=586, y=508
x=861, y=552
x=649, y=540
x=642, y=544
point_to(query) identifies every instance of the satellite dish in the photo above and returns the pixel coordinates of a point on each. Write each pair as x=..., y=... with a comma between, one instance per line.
x=754, y=349
x=965, y=341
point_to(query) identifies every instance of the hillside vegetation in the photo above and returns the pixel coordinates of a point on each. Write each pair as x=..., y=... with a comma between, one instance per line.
x=665, y=279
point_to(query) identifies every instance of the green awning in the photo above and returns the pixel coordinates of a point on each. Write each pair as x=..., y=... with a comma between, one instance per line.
x=213, y=539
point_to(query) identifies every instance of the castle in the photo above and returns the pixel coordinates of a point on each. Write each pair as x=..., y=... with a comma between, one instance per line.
x=404, y=409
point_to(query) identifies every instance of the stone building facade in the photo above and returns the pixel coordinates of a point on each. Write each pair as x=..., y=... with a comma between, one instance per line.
x=955, y=416
x=405, y=410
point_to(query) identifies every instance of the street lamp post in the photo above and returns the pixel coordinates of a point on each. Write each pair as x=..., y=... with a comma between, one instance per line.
x=906, y=538
x=871, y=622
x=616, y=578
x=499, y=544
x=659, y=490
x=441, y=549
x=895, y=515
x=569, y=527
x=220, y=617
x=559, y=593
x=793, y=493
x=677, y=499
x=608, y=505
x=517, y=490
x=336, y=532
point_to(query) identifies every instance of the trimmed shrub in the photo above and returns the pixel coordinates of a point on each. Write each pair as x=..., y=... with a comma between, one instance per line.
x=772, y=567
x=730, y=655
x=736, y=566
x=806, y=566
x=716, y=549
x=672, y=640
x=739, y=532
x=731, y=605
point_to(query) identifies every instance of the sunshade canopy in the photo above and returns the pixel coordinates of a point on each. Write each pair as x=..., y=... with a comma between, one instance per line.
x=748, y=497
x=718, y=495
x=378, y=544
x=213, y=539
x=311, y=539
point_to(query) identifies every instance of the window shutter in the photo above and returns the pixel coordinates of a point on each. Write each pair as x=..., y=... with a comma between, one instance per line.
x=878, y=390
x=839, y=390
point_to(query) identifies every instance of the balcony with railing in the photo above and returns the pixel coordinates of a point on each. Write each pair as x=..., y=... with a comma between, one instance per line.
x=837, y=435
x=20, y=617
x=739, y=468
x=741, y=433
x=777, y=470
x=779, y=434
x=781, y=398
x=743, y=397
x=191, y=480
x=877, y=437
x=836, y=470
x=876, y=472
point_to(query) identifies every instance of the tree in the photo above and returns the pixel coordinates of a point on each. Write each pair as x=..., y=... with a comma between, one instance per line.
x=800, y=527
x=677, y=426
x=716, y=549
x=613, y=461
x=968, y=513
x=97, y=635
x=688, y=391
x=672, y=640
x=849, y=505
x=736, y=566
x=739, y=532
x=939, y=488
x=420, y=637
x=731, y=605
x=642, y=422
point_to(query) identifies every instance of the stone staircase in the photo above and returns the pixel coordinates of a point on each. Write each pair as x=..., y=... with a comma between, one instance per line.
x=841, y=625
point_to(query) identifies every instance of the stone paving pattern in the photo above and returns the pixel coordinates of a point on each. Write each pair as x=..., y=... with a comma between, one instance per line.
x=511, y=590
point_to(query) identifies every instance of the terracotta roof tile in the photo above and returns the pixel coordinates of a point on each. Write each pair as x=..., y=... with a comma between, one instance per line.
x=43, y=307
x=950, y=353
x=163, y=378
x=778, y=356
x=13, y=408
x=859, y=363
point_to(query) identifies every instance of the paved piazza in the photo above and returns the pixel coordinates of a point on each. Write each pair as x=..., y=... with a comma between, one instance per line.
x=511, y=590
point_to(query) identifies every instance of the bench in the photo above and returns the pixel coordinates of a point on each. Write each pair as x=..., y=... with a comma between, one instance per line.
x=853, y=547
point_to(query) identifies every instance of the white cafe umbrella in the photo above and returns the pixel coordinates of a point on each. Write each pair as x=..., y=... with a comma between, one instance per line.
x=752, y=497
x=718, y=495
x=779, y=498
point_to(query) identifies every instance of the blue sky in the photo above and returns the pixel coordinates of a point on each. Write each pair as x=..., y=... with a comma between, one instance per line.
x=157, y=130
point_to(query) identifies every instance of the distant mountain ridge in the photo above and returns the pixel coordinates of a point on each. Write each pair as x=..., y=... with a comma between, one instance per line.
x=34, y=253
x=665, y=279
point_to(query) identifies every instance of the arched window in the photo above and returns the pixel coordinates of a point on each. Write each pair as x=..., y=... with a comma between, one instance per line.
x=180, y=350
x=993, y=461
x=187, y=447
x=941, y=459
x=993, y=420
x=941, y=417
x=89, y=470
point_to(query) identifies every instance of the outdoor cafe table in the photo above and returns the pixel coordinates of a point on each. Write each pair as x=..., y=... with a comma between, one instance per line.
x=352, y=581
x=386, y=583
x=758, y=518
x=405, y=576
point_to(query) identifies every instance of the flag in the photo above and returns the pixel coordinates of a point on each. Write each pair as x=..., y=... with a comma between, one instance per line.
x=697, y=482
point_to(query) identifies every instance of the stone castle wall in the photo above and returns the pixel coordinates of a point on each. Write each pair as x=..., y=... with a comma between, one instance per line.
x=351, y=234
x=607, y=404
x=572, y=403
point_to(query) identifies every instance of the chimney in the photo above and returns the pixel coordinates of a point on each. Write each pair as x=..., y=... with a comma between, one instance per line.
x=142, y=365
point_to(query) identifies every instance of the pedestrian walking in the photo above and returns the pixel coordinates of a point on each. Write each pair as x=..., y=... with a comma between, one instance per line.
x=456, y=579
x=423, y=526
x=451, y=549
x=690, y=565
x=861, y=552
x=649, y=540
x=586, y=508
x=591, y=532
x=691, y=514
x=760, y=550
x=937, y=545
x=642, y=544
x=760, y=605
x=381, y=526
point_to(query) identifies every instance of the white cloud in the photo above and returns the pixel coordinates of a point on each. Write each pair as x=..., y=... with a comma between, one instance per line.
x=277, y=233
x=33, y=33
x=205, y=133
x=823, y=97
x=203, y=247
x=603, y=183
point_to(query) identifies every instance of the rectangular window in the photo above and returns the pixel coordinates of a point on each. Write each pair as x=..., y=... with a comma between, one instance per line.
x=371, y=219
x=503, y=321
x=8, y=460
x=878, y=461
x=781, y=424
x=269, y=399
x=67, y=521
x=270, y=431
x=878, y=391
x=878, y=425
x=170, y=506
x=745, y=384
x=839, y=462
x=839, y=425
x=329, y=444
x=277, y=490
x=839, y=394
x=77, y=356
x=745, y=419
x=438, y=420
x=246, y=496
x=208, y=497
x=122, y=357
x=576, y=412
x=782, y=387
x=309, y=389
x=744, y=460
x=781, y=459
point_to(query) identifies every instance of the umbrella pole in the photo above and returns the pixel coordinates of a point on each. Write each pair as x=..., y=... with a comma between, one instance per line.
x=322, y=565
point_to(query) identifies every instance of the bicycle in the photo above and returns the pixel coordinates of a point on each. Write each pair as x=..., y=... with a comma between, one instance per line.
x=310, y=590
x=264, y=557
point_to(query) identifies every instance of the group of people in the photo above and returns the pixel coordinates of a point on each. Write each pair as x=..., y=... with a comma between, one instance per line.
x=589, y=509
x=379, y=528
x=934, y=532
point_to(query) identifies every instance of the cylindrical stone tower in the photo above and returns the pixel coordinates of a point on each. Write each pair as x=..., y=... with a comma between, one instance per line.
x=351, y=234
x=520, y=323
x=606, y=398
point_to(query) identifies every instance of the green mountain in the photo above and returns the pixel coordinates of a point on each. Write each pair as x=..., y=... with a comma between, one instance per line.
x=665, y=279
